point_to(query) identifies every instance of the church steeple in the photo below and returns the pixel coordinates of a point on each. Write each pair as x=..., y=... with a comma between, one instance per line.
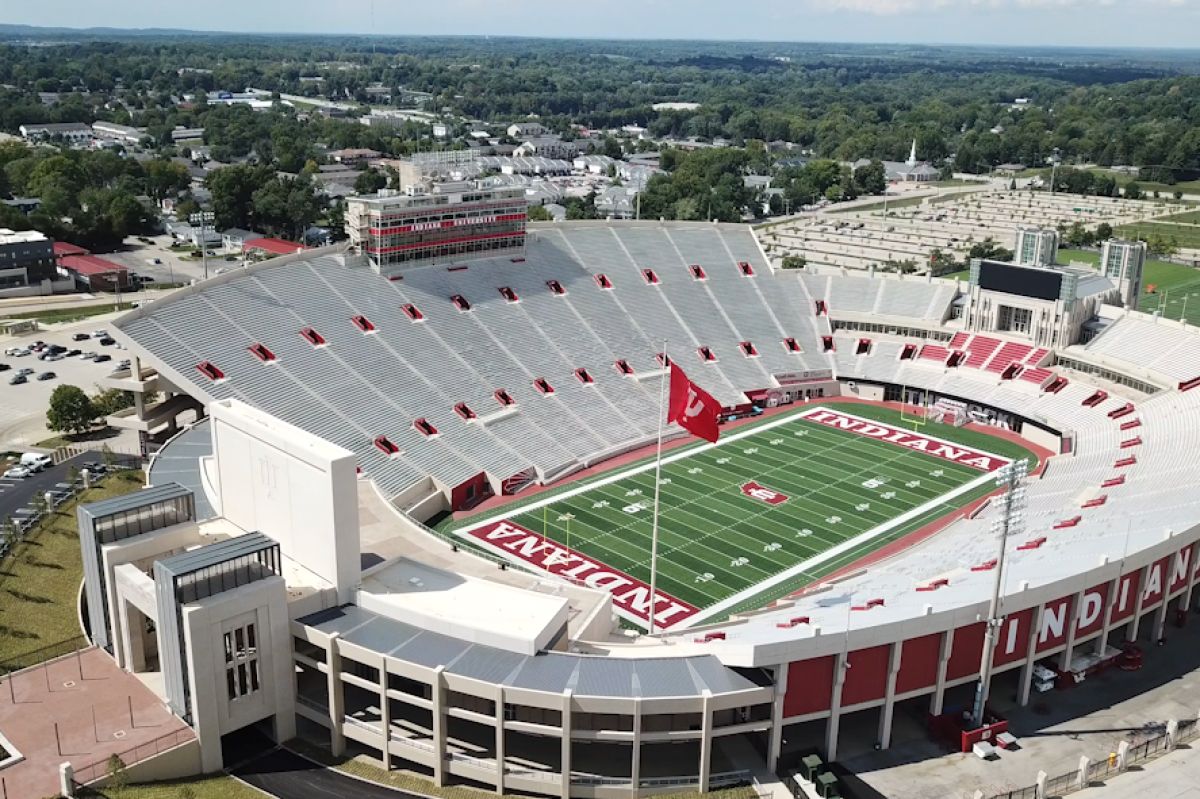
x=912, y=155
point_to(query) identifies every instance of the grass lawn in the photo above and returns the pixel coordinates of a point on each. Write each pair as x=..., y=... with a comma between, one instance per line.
x=891, y=203
x=1183, y=235
x=1172, y=283
x=965, y=274
x=57, y=315
x=408, y=781
x=723, y=541
x=39, y=581
x=215, y=786
x=1187, y=217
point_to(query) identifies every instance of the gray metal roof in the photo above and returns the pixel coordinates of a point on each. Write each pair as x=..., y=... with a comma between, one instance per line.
x=138, y=499
x=216, y=554
x=554, y=672
x=179, y=462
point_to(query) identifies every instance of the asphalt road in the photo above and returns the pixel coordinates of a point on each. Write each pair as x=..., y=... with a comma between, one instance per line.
x=15, y=494
x=289, y=776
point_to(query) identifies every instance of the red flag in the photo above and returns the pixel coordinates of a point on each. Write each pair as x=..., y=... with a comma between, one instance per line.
x=692, y=407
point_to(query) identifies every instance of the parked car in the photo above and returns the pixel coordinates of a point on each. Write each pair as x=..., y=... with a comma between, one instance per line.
x=99, y=334
x=24, y=370
x=4, y=367
x=47, y=376
x=71, y=353
x=21, y=352
x=107, y=342
x=17, y=379
x=102, y=358
x=13, y=350
x=36, y=461
x=16, y=473
x=87, y=356
x=80, y=337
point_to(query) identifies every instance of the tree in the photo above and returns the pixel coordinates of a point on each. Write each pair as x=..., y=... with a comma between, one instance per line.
x=538, y=213
x=794, y=262
x=112, y=400
x=990, y=250
x=1104, y=231
x=165, y=178
x=941, y=263
x=1133, y=190
x=871, y=179
x=70, y=410
x=370, y=181
x=118, y=777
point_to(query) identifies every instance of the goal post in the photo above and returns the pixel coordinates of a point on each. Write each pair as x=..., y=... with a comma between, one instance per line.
x=917, y=417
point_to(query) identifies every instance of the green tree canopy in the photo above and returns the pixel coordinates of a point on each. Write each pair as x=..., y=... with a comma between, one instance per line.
x=70, y=410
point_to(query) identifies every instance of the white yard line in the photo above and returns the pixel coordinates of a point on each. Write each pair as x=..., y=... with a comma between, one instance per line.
x=832, y=552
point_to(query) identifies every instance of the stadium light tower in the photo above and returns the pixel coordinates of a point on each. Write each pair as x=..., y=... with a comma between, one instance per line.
x=203, y=219
x=1009, y=522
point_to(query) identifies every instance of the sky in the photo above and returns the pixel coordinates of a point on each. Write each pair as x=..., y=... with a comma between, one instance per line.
x=1086, y=23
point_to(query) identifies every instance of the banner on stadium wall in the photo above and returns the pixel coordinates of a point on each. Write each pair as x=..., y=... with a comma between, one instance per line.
x=869, y=428
x=630, y=596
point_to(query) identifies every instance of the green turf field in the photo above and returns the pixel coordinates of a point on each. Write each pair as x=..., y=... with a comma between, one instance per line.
x=720, y=546
x=1181, y=235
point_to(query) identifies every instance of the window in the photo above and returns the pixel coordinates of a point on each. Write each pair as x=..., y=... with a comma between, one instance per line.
x=363, y=323
x=650, y=276
x=241, y=662
x=543, y=386
x=827, y=343
x=791, y=345
x=663, y=359
x=909, y=352
x=504, y=398
x=463, y=410
x=209, y=370
x=312, y=337
x=863, y=347
x=412, y=312
x=748, y=349
x=385, y=445
x=822, y=308
x=603, y=282
x=697, y=272
x=556, y=287
x=1016, y=320
x=424, y=427
x=584, y=376
x=262, y=353
x=746, y=269
x=509, y=294
x=460, y=302
x=706, y=354
x=623, y=367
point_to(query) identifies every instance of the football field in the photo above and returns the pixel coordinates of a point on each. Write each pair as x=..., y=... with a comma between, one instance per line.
x=768, y=509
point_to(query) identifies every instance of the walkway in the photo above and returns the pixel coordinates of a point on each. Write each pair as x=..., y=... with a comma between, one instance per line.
x=289, y=776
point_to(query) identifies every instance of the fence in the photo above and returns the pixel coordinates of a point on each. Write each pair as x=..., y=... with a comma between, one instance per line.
x=1108, y=766
x=86, y=775
x=48, y=652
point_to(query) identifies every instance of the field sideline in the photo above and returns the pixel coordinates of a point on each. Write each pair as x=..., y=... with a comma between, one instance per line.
x=764, y=512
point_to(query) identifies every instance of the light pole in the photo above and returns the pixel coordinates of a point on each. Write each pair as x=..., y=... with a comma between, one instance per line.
x=1055, y=160
x=203, y=219
x=1011, y=521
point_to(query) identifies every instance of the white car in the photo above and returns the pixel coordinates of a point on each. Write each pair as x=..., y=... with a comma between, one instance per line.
x=17, y=473
x=36, y=461
x=99, y=334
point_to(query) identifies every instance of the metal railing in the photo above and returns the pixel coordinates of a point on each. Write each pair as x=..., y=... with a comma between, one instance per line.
x=1108, y=766
x=85, y=775
x=38, y=656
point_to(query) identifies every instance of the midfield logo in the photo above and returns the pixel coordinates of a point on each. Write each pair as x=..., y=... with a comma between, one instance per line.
x=764, y=494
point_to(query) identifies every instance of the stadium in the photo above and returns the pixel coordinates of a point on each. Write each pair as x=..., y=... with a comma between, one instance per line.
x=408, y=505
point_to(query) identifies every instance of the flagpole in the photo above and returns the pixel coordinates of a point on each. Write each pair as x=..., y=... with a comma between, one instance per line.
x=662, y=412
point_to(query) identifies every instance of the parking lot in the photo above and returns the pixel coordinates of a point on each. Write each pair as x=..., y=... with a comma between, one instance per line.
x=172, y=266
x=23, y=406
x=18, y=496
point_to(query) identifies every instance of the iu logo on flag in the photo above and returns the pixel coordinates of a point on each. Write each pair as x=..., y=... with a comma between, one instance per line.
x=764, y=494
x=693, y=408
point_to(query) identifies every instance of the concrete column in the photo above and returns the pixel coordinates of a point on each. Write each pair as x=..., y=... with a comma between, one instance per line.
x=1136, y=620
x=939, y=690
x=439, y=726
x=499, y=740
x=706, y=742
x=1064, y=658
x=1160, y=617
x=1172, y=734
x=66, y=780
x=1122, y=755
x=840, y=665
x=1041, y=783
x=1030, y=656
x=775, y=741
x=1114, y=586
x=1186, y=602
x=566, y=744
x=635, y=766
x=337, y=696
x=889, y=697
x=385, y=716
x=1084, y=763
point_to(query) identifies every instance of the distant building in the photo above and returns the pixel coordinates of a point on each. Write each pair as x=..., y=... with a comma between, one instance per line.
x=617, y=202
x=525, y=130
x=73, y=132
x=548, y=147
x=354, y=155
x=910, y=171
x=92, y=273
x=123, y=134
x=234, y=239
x=1036, y=246
x=269, y=247
x=26, y=205
x=185, y=135
x=444, y=223
x=26, y=258
x=1123, y=262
